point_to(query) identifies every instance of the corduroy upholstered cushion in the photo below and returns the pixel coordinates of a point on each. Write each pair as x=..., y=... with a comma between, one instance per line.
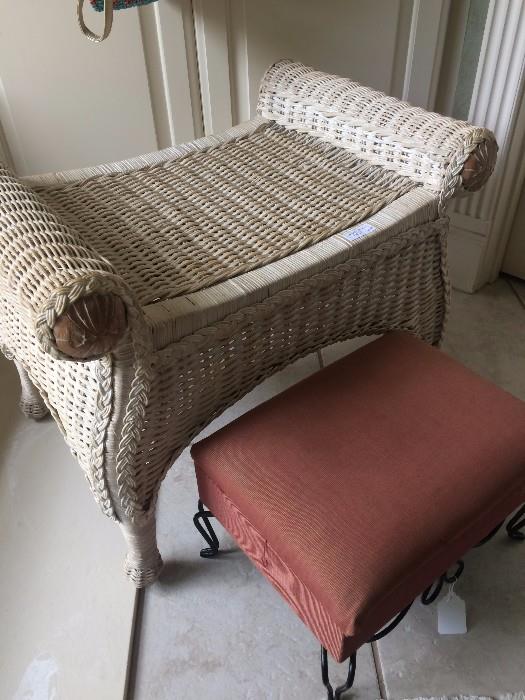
x=355, y=489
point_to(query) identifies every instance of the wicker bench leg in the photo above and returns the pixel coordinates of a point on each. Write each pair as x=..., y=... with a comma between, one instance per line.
x=31, y=403
x=143, y=561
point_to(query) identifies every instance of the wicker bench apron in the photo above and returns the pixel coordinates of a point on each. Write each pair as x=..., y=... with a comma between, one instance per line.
x=140, y=299
x=356, y=489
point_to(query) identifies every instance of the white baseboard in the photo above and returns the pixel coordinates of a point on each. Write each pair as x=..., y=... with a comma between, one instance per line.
x=467, y=243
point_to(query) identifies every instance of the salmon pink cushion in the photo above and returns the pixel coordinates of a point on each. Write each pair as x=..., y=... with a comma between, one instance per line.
x=355, y=489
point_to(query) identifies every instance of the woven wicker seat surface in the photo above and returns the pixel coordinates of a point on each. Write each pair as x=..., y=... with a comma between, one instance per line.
x=207, y=216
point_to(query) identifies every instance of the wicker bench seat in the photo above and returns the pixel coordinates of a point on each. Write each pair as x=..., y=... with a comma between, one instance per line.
x=139, y=299
x=354, y=490
x=222, y=208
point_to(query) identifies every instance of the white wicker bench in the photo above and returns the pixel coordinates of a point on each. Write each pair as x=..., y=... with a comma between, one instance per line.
x=142, y=298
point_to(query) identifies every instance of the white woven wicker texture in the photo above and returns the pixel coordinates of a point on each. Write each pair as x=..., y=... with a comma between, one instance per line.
x=227, y=255
x=211, y=215
x=427, y=147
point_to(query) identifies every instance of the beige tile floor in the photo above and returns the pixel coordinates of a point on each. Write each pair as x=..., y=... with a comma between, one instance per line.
x=216, y=628
x=66, y=610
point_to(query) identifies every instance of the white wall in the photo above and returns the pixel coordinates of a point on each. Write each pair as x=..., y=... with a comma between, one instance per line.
x=66, y=102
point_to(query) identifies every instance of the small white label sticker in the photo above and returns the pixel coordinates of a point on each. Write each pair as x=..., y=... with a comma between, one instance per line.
x=452, y=615
x=358, y=231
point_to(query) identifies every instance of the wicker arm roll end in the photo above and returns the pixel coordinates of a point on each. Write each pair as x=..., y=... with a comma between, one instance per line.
x=479, y=165
x=91, y=326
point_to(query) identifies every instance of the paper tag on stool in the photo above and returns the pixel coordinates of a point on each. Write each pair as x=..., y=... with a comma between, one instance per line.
x=452, y=614
x=358, y=231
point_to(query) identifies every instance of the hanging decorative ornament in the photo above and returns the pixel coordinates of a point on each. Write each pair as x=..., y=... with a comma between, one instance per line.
x=106, y=6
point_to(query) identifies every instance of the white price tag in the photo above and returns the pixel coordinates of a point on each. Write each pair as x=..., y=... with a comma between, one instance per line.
x=358, y=231
x=452, y=614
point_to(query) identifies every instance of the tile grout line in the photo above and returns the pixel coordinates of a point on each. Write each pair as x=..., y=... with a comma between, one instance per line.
x=379, y=671
x=133, y=648
x=515, y=292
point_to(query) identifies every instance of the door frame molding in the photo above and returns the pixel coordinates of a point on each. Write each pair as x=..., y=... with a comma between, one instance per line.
x=481, y=224
x=170, y=56
x=212, y=36
x=513, y=180
x=5, y=155
x=8, y=148
x=425, y=51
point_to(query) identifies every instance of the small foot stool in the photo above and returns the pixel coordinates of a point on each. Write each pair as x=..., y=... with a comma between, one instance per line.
x=356, y=489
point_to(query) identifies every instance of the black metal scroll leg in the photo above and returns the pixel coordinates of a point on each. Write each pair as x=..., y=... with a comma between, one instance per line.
x=491, y=534
x=432, y=592
x=391, y=626
x=349, y=678
x=516, y=524
x=324, y=674
x=331, y=695
x=207, y=532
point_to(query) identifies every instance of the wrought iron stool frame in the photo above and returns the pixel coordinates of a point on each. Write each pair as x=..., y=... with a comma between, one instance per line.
x=516, y=525
x=514, y=530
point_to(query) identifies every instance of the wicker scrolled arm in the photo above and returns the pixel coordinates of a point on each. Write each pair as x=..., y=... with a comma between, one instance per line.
x=444, y=154
x=72, y=296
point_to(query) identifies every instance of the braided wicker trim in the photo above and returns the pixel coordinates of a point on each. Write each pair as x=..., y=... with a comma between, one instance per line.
x=134, y=416
x=95, y=472
x=98, y=481
x=138, y=394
